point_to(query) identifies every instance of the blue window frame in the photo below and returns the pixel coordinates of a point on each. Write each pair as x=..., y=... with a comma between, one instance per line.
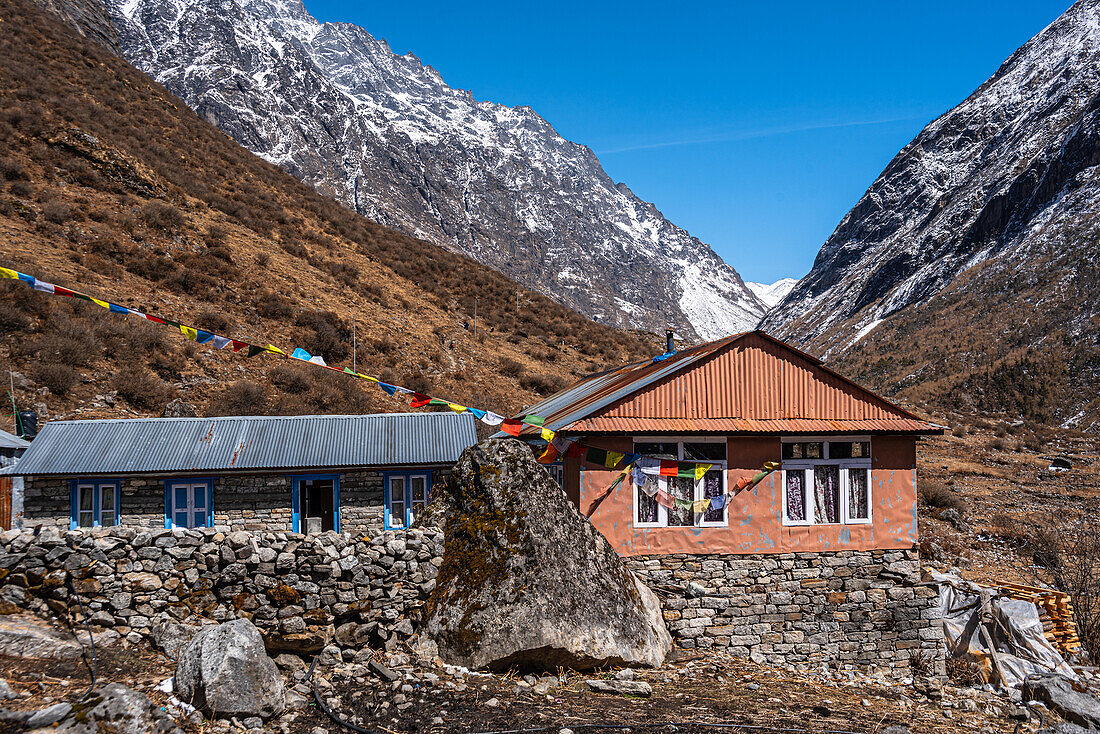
x=188, y=503
x=94, y=503
x=405, y=494
x=315, y=495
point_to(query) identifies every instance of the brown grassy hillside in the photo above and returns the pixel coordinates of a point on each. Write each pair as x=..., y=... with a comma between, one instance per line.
x=110, y=184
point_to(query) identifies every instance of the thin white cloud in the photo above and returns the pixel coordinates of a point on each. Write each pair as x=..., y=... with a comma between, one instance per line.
x=766, y=132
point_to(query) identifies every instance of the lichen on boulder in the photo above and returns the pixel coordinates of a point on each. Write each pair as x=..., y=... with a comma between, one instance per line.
x=526, y=581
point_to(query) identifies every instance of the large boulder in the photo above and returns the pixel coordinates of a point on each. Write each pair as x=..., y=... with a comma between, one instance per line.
x=526, y=581
x=1072, y=701
x=226, y=671
x=107, y=710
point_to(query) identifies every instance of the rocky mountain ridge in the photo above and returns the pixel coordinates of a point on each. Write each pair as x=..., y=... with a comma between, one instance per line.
x=385, y=135
x=970, y=264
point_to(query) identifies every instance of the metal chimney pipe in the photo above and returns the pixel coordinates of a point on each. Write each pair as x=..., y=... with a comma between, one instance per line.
x=670, y=341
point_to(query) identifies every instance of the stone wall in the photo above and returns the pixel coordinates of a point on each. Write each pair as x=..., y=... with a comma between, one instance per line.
x=240, y=501
x=846, y=609
x=302, y=591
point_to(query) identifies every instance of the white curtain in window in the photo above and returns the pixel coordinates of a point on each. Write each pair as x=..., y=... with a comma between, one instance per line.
x=826, y=494
x=796, y=497
x=857, y=494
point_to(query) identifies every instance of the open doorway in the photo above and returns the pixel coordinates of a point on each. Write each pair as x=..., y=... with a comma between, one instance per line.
x=316, y=506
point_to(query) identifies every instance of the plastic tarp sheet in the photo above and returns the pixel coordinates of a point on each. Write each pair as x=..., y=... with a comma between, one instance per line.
x=1016, y=632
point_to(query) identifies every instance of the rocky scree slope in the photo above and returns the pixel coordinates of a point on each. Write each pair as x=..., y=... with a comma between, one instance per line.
x=110, y=184
x=385, y=135
x=969, y=267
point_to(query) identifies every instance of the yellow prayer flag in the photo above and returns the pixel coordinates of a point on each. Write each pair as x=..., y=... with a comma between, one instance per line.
x=547, y=435
x=366, y=377
x=188, y=332
x=8, y=273
x=98, y=302
x=700, y=505
x=457, y=408
x=274, y=349
x=701, y=469
x=613, y=459
x=771, y=466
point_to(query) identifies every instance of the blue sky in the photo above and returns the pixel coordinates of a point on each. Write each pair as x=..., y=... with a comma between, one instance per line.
x=755, y=127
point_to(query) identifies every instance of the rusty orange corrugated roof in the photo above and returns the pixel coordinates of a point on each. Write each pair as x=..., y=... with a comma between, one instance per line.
x=751, y=378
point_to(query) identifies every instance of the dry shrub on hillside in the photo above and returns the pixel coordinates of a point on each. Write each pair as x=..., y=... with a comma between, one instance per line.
x=937, y=494
x=56, y=211
x=214, y=320
x=290, y=378
x=274, y=306
x=541, y=384
x=240, y=398
x=59, y=378
x=142, y=389
x=330, y=336
x=162, y=216
x=511, y=367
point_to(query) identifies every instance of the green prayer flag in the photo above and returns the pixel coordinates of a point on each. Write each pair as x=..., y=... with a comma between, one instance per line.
x=596, y=456
x=253, y=350
x=534, y=420
x=437, y=401
x=685, y=470
x=681, y=504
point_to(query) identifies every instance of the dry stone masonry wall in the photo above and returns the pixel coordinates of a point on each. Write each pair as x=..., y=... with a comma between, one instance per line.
x=847, y=609
x=303, y=592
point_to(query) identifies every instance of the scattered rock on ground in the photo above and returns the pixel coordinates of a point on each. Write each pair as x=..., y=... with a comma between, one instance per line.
x=527, y=581
x=952, y=517
x=172, y=637
x=25, y=636
x=48, y=716
x=624, y=687
x=178, y=409
x=114, y=708
x=226, y=670
x=1070, y=700
x=7, y=693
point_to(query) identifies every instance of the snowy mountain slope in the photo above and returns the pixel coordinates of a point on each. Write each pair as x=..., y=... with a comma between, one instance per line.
x=384, y=134
x=975, y=251
x=772, y=293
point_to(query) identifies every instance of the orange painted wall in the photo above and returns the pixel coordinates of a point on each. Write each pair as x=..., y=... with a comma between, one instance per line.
x=755, y=523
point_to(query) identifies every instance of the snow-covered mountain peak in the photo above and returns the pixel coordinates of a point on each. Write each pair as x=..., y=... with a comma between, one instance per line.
x=386, y=135
x=771, y=294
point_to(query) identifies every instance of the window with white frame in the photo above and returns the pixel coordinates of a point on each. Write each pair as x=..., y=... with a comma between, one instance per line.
x=826, y=481
x=406, y=496
x=648, y=512
x=94, y=504
x=557, y=473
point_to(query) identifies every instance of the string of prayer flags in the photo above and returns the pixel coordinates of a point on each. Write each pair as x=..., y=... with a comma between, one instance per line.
x=699, y=506
x=511, y=427
x=547, y=435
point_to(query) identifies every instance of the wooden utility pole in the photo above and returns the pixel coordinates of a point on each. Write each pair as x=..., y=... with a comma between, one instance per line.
x=353, y=368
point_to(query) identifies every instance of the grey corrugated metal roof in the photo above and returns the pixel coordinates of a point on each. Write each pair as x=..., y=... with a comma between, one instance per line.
x=11, y=441
x=161, y=445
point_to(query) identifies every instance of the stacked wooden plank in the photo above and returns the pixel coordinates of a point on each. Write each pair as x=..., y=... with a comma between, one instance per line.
x=1055, y=611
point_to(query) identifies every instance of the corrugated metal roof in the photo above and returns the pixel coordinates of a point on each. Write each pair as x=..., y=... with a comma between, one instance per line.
x=11, y=441
x=162, y=445
x=749, y=377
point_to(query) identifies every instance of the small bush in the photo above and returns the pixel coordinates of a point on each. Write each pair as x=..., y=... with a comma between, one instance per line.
x=59, y=378
x=998, y=444
x=12, y=170
x=541, y=384
x=1069, y=549
x=70, y=346
x=958, y=431
x=935, y=493
x=263, y=259
x=141, y=388
x=162, y=216
x=274, y=306
x=511, y=367
x=210, y=319
x=240, y=398
x=12, y=319
x=56, y=211
x=290, y=379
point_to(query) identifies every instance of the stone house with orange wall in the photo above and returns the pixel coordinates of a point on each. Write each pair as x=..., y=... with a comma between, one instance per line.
x=815, y=564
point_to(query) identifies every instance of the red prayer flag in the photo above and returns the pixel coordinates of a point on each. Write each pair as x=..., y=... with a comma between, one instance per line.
x=239, y=345
x=664, y=499
x=154, y=319
x=550, y=455
x=419, y=401
x=669, y=468
x=743, y=482
x=575, y=451
x=512, y=427
x=58, y=290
